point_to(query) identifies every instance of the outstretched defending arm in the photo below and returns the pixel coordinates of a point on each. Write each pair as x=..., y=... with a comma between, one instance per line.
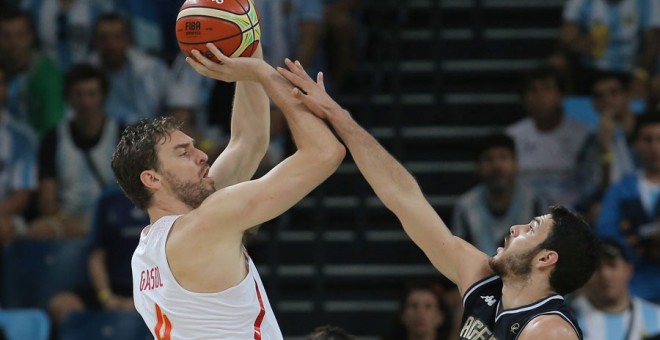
x=394, y=185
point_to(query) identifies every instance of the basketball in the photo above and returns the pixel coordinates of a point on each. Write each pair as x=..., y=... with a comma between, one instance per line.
x=232, y=25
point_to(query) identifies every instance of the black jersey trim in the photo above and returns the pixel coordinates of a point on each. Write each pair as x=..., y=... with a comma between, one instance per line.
x=529, y=307
x=478, y=284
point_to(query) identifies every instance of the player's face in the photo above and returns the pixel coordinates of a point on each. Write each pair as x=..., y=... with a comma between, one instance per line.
x=609, y=95
x=520, y=247
x=16, y=40
x=86, y=97
x=185, y=169
x=421, y=313
x=543, y=99
x=647, y=145
x=609, y=284
x=497, y=168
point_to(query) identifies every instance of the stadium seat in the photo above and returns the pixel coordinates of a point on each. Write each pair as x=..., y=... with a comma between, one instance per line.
x=34, y=271
x=19, y=324
x=104, y=325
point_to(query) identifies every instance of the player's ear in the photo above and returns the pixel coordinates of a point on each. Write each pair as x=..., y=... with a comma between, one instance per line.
x=547, y=258
x=150, y=179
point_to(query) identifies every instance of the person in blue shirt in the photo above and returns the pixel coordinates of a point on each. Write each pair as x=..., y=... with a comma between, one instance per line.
x=631, y=210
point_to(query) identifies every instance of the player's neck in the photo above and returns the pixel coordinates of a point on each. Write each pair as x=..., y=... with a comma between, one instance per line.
x=517, y=293
x=166, y=207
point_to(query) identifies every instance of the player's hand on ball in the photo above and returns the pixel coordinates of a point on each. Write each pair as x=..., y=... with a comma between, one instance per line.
x=228, y=69
x=311, y=93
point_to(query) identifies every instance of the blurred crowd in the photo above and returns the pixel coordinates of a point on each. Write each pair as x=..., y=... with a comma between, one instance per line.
x=73, y=73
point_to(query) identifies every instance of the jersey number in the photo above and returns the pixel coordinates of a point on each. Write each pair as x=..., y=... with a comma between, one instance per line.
x=163, y=329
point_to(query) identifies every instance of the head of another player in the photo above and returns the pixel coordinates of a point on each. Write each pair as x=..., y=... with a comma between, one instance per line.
x=560, y=245
x=154, y=160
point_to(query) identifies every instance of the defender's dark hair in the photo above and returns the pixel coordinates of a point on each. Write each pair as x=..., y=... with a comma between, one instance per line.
x=82, y=72
x=136, y=152
x=575, y=242
x=498, y=140
x=543, y=73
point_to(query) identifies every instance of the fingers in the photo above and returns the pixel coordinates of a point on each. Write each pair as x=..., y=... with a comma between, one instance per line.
x=297, y=69
x=201, y=69
x=319, y=81
x=292, y=78
x=216, y=52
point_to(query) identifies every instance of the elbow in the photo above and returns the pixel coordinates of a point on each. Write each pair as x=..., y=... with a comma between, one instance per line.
x=337, y=154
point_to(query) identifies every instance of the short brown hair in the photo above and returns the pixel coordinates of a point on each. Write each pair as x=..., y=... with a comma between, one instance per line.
x=137, y=152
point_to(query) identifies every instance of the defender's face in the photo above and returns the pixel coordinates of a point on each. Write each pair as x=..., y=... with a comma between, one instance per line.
x=421, y=313
x=521, y=246
x=184, y=169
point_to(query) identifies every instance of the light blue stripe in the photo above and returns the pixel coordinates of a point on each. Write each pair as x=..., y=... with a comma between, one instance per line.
x=650, y=318
x=614, y=326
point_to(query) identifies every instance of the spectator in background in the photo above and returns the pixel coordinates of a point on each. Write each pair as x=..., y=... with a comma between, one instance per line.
x=18, y=171
x=114, y=234
x=64, y=27
x=145, y=18
x=548, y=143
x=137, y=81
x=607, y=310
x=292, y=29
x=342, y=34
x=34, y=80
x=328, y=332
x=483, y=215
x=612, y=35
x=423, y=315
x=74, y=158
x=609, y=155
x=631, y=210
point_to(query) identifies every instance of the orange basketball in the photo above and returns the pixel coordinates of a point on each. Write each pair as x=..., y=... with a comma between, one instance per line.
x=232, y=25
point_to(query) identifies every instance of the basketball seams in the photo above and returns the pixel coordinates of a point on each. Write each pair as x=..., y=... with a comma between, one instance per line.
x=246, y=30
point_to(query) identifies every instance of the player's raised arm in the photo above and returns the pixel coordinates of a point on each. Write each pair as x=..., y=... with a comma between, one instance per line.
x=250, y=133
x=395, y=186
x=247, y=204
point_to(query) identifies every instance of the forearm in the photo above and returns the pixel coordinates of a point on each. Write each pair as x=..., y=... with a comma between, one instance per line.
x=391, y=182
x=308, y=132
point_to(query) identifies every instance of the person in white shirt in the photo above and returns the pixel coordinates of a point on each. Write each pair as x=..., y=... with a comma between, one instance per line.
x=607, y=310
x=548, y=144
x=192, y=277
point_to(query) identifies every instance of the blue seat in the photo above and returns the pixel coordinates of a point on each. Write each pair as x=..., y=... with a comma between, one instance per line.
x=34, y=271
x=104, y=325
x=20, y=324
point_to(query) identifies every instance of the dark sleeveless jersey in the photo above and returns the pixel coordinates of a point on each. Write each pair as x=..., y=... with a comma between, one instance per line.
x=483, y=318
